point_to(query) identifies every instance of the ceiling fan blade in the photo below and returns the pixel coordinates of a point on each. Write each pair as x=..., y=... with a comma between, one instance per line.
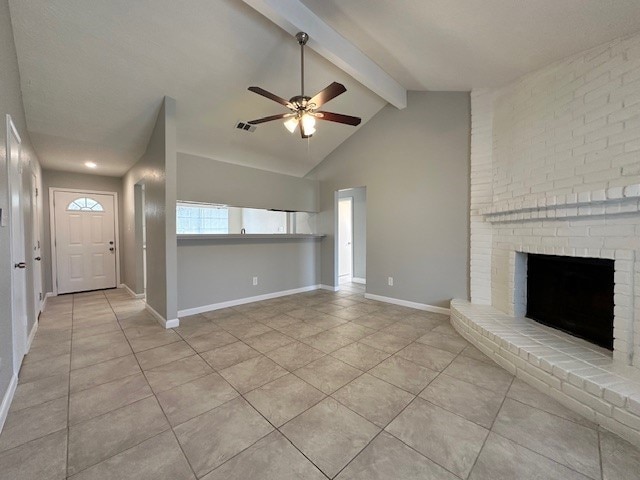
x=270, y=118
x=329, y=93
x=269, y=95
x=339, y=118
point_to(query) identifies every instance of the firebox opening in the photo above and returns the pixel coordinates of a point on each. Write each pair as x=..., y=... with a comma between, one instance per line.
x=572, y=294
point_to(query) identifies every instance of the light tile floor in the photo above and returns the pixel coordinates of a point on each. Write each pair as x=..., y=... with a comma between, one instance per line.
x=310, y=386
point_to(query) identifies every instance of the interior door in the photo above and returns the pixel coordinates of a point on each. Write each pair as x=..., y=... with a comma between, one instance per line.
x=18, y=272
x=84, y=241
x=36, y=247
x=345, y=236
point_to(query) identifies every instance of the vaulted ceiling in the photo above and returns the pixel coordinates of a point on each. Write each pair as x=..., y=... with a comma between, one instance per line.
x=93, y=73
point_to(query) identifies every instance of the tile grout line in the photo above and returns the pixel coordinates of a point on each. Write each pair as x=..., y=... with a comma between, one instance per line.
x=153, y=393
x=364, y=371
x=241, y=395
x=267, y=420
x=600, y=453
x=490, y=429
x=66, y=466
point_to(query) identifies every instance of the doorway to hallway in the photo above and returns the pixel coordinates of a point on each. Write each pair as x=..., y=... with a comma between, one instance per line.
x=351, y=236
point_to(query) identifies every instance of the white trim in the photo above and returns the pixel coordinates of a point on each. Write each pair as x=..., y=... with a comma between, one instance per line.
x=131, y=292
x=52, y=230
x=18, y=325
x=406, y=303
x=331, y=288
x=241, y=301
x=7, y=399
x=32, y=334
x=360, y=280
x=161, y=320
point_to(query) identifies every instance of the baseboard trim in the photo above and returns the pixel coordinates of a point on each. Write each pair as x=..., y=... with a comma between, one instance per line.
x=131, y=292
x=7, y=399
x=331, y=288
x=32, y=335
x=360, y=280
x=50, y=294
x=241, y=301
x=173, y=323
x=406, y=303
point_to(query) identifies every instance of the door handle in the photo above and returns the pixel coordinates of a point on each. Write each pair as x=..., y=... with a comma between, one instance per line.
x=20, y=265
x=38, y=258
x=111, y=249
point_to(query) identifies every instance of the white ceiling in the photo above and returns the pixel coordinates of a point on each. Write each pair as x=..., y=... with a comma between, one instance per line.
x=466, y=44
x=93, y=73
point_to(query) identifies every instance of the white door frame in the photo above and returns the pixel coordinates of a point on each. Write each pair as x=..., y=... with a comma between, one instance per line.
x=20, y=334
x=36, y=236
x=351, y=202
x=52, y=228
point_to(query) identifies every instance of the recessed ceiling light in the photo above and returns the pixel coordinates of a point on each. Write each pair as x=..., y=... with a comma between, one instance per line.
x=90, y=164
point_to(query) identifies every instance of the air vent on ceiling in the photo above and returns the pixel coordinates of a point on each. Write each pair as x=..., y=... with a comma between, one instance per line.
x=246, y=127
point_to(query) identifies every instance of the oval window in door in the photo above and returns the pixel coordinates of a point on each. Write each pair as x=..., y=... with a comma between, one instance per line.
x=85, y=204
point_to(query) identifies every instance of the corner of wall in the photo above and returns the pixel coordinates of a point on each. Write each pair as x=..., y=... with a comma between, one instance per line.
x=481, y=194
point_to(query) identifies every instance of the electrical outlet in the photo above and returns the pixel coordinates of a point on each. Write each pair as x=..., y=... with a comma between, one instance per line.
x=255, y=281
x=390, y=281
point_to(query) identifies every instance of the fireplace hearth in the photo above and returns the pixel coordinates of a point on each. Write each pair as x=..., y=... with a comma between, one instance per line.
x=572, y=294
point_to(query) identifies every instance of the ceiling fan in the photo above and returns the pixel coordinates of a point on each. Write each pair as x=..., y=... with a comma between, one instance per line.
x=304, y=110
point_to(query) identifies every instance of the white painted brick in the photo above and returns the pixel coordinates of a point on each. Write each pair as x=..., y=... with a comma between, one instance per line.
x=587, y=399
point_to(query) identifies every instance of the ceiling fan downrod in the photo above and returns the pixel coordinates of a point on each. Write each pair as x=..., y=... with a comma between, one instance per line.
x=302, y=38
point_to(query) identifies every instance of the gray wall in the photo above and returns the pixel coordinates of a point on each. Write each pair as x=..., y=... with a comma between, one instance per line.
x=359, y=196
x=219, y=271
x=11, y=103
x=76, y=181
x=206, y=180
x=415, y=166
x=156, y=170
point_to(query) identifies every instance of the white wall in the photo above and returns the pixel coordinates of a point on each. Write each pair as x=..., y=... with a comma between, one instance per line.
x=555, y=169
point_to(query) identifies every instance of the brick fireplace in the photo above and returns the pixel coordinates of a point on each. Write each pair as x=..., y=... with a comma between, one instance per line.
x=555, y=170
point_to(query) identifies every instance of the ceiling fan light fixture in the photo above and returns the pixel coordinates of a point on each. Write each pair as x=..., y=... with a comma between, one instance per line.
x=309, y=124
x=291, y=124
x=304, y=109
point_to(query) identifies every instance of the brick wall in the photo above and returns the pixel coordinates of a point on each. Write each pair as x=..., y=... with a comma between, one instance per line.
x=555, y=168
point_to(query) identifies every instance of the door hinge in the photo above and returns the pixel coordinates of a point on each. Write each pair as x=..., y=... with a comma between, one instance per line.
x=40, y=296
x=36, y=191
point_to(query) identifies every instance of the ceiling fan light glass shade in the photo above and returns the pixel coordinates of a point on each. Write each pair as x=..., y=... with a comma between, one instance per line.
x=291, y=124
x=309, y=124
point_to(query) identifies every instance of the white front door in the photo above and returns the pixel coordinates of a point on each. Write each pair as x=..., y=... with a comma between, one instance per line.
x=36, y=247
x=85, y=241
x=18, y=258
x=345, y=236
